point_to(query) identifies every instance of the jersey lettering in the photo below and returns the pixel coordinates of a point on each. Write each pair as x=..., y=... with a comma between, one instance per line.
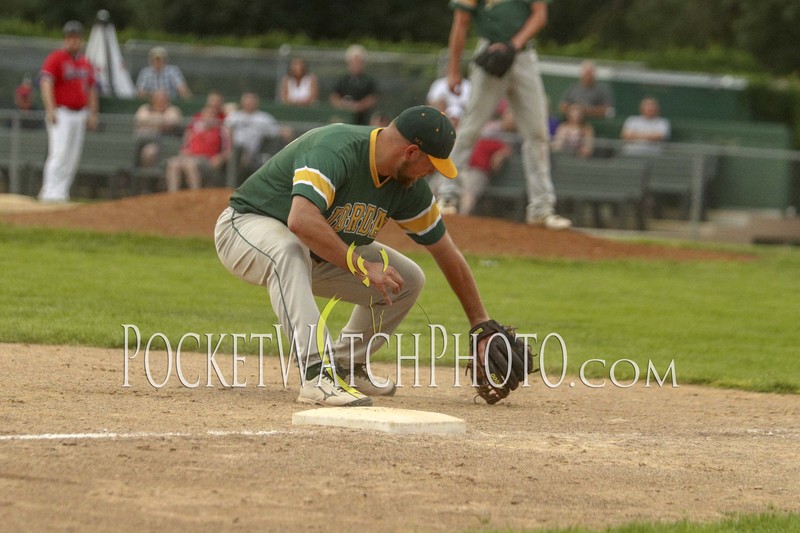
x=367, y=220
x=359, y=219
x=380, y=220
x=355, y=217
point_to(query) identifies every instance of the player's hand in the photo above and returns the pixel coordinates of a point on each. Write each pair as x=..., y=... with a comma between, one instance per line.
x=454, y=82
x=499, y=46
x=92, y=121
x=480, y=351
x=50, y=116
x=388, y=281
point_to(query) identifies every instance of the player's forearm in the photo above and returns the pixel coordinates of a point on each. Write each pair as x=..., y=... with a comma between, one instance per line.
x=94, y=106
x=459, y=277
x=465, y=288
x=536, y=21
x=456, y=42
x=48, y=99
x=307, y=222
x=94, y=101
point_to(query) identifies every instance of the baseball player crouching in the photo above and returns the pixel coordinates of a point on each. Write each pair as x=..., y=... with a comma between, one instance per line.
x=290, y=227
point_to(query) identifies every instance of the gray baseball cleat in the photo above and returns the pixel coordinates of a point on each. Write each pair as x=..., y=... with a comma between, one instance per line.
x=552, y=222
x=331, y=391
x=369, y=385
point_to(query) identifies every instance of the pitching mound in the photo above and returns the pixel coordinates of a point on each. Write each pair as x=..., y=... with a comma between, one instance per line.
x=194, y=213
x=18, y=203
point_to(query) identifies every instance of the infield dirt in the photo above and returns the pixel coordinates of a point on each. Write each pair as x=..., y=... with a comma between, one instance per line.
x=211, y=459
x=78, y=451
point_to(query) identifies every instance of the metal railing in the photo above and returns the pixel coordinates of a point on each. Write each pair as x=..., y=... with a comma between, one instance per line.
x=10, y=155
x=115, y=131
x=698, y=152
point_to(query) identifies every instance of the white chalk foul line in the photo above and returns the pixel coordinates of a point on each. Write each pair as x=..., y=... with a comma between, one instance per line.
x=137, y=435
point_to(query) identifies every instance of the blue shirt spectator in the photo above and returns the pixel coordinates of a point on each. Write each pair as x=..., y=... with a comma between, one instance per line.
x=161, y=76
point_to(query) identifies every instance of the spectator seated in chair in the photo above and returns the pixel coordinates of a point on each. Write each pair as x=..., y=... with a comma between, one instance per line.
x=152, y=120
x=299, y=87
x=250, y=127
x=574, y=135
x=644, y=134
x=356, y=91
x=206, y=148
x=488, y=157
x=160, y=75
x=25, y=103
x=595, y=97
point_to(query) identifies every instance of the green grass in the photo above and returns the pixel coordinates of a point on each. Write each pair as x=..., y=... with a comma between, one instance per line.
x=78, y=288
x=755, y=523
x=726, y=323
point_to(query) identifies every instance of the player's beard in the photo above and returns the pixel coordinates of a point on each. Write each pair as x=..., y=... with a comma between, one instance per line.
x=402, y=175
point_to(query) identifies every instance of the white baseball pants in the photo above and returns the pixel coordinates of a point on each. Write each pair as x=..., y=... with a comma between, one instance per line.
x=64, y=149
x=262, y=251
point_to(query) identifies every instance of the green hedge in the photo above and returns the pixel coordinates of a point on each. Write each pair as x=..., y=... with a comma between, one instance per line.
x=777, y=101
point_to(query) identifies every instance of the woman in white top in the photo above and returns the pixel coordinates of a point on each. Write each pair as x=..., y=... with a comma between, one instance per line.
x=299, y=87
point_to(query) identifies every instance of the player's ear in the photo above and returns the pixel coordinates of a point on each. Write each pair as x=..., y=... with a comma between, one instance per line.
x=411, y=151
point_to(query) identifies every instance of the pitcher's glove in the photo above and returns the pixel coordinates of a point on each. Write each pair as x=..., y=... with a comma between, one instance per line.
x=506, y=364
x=496, y=58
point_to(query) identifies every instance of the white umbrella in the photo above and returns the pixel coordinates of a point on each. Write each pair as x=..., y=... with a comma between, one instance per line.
x=103, y=52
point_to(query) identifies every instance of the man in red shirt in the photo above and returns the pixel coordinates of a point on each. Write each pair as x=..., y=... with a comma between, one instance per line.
x=70, y=102
x=206, y=148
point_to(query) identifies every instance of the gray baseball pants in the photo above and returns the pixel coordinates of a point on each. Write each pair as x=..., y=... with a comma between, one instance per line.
x=522, y=86
x=261, y=250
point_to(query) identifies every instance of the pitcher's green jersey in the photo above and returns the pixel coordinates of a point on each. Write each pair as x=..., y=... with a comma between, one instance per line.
x=334, y=167
x=497, y=20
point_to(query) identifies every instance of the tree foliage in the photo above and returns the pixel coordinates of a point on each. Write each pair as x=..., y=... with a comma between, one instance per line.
x=768, y=29
x=765, y=29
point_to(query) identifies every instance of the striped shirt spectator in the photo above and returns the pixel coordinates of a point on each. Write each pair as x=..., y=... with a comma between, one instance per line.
x=161, y=76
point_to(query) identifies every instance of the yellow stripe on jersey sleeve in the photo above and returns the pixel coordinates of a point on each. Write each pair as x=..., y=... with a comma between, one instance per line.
x=316, y=179
x=422, y=223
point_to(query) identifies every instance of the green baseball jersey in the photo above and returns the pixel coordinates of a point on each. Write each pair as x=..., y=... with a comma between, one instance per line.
x=497, y=20
x=334, y=167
